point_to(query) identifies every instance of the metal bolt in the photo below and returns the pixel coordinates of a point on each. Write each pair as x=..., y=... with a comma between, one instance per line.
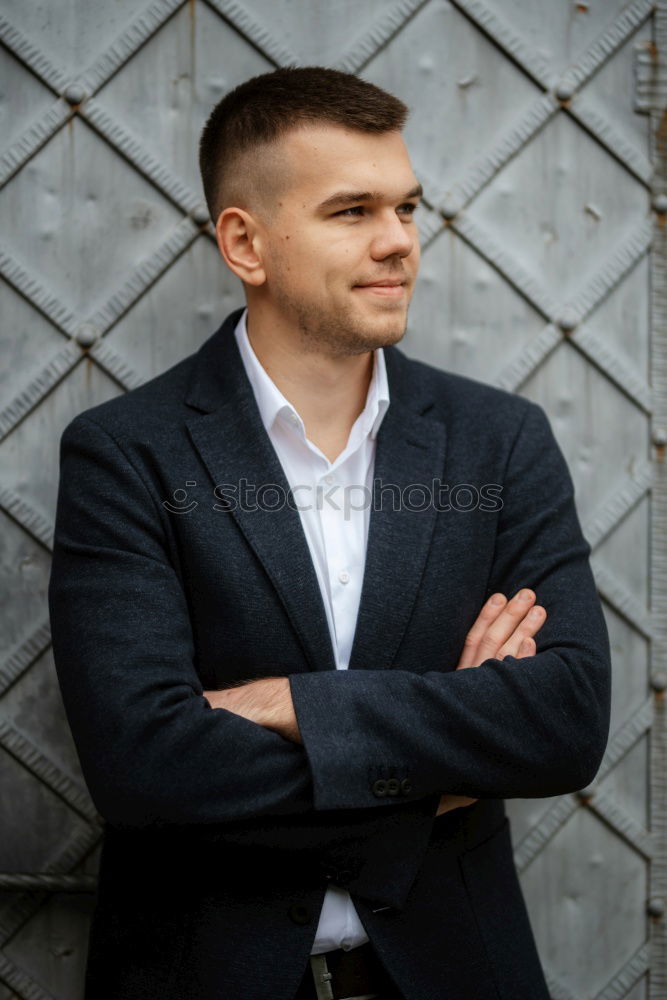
x=564, y=91
x=74, y=93
x=656, y=906
x=660, y=437
x=450, y=207
x=660, y=203
x=568, y=320
x=659, y=680
x=87, y=334
x=200, y=214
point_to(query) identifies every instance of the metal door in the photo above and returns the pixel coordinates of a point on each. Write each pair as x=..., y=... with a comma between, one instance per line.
x=538, y=130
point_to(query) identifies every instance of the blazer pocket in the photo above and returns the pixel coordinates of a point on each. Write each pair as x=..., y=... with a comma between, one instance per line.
x=495, y=894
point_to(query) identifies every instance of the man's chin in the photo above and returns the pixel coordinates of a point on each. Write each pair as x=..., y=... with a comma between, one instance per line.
x=387, y=328
x=394, y=335
x=381, y=336
x=352, y=331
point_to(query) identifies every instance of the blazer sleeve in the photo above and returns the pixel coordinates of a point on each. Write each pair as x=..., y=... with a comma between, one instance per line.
x=151, y=748
x=529, y=727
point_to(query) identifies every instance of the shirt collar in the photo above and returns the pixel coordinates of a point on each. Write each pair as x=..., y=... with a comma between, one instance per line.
x=272, y=404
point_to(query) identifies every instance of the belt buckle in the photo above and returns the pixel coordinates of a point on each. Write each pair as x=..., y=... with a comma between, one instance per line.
x=322, y=979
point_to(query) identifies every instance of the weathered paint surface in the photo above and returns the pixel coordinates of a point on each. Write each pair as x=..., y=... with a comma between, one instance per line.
x=538, y=130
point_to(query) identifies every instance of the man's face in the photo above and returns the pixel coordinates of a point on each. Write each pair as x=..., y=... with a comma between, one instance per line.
x=342, y=251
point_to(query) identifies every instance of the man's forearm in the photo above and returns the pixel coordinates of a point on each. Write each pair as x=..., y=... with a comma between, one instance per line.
x=267, y=701
x=500, y=628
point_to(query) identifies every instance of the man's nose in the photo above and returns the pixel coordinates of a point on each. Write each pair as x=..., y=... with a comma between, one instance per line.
x=392, y=236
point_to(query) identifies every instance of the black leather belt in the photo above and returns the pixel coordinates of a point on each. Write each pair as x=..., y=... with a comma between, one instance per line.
x=346, y=975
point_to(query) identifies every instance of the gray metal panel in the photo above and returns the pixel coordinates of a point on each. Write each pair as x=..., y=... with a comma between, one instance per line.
x=537, y=130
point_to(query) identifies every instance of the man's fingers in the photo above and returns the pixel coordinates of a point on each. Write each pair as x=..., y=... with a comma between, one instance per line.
x=488, y=614
x=505, y=625
x=448, y=801
x=524, y=634
x=501, y=628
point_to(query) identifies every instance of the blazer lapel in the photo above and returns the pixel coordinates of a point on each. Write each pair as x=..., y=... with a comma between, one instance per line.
x=234, y=446
x=229, y=435
x=410, y=451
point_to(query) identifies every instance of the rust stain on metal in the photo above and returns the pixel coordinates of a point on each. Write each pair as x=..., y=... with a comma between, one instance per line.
x=661, y=136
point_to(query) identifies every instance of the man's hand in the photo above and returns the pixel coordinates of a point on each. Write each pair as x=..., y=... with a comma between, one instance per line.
x=267, y=701
x=502, y=628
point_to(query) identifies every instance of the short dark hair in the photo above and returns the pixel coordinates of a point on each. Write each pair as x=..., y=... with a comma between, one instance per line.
x=264, y=108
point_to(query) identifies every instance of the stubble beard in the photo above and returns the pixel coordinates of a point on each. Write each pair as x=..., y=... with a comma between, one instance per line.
x=340, y=333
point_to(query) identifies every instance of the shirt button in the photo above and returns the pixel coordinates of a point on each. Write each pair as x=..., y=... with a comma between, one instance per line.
x=294, y=419
x=328, y=479
x=344, y=576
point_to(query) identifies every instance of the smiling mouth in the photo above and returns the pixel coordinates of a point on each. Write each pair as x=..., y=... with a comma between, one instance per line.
x=382, y=283
x=387, y=288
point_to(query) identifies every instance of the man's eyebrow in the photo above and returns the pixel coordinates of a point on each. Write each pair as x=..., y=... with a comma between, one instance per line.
x=348, y=197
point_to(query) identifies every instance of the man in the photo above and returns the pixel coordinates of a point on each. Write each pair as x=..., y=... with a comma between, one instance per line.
x=294, y=603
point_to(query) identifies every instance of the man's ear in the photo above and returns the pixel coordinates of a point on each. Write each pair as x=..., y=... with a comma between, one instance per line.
x=240, y=243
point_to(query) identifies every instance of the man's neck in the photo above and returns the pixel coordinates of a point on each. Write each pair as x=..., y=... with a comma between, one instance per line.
x=329, y=392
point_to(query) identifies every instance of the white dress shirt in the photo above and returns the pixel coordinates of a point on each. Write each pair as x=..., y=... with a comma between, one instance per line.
x=336, y=540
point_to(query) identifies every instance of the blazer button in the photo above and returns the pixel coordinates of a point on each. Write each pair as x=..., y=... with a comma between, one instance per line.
x=393, y=786
x=380, y=788
x=299, y=913
x=406, y=786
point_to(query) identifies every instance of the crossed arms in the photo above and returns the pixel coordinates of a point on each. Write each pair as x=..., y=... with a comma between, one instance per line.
x=502, y=628
x=153, y=750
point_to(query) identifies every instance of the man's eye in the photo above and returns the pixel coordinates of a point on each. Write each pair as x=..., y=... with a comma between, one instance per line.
x=358, y=210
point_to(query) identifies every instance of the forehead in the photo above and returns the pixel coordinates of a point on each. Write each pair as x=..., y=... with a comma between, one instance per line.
x=324, y=159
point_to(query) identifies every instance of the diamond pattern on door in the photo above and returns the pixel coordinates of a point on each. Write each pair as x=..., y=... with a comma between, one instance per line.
x=536, y=129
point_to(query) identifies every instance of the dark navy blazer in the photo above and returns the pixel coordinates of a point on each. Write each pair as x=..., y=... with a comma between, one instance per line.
x=221, y=836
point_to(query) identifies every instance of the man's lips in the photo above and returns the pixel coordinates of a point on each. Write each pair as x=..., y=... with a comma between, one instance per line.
x=387, y=287
x=382, y=283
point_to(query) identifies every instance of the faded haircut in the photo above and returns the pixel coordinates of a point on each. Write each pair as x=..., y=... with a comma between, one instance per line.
x=248, y=120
